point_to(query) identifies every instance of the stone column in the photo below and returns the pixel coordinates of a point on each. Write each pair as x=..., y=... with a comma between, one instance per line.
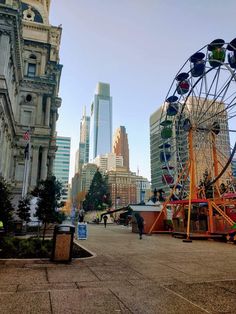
x=54, y=120
x=39, y=110
x=3, y=151
x=8, y=156
x=1, y=140
x=5, y=53
x=43, y=63
x=47, y=113
x=50, y=165
x=44, y=166
x=34, y=166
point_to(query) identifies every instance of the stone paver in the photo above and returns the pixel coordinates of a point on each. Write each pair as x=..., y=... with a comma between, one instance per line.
x=158, y=274
x=25, y=303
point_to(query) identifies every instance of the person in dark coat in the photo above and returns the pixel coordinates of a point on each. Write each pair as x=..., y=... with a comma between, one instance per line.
x=105, y=220
x=140, y=223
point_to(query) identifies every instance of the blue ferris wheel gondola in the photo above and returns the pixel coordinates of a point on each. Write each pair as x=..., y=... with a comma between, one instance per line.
x=232, y=53
x=173, y=106
x=198, y=64
x=165, y=146
x=165, y=156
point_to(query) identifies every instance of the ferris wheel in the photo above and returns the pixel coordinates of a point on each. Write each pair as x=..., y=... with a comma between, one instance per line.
x=196, y=131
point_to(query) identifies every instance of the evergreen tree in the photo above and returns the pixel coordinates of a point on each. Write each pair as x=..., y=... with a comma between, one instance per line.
x=23, y=210
x=6, y=207
x=48, y=193
x=98, y=197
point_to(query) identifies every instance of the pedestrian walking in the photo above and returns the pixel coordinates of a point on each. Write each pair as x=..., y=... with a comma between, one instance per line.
x=81, y=215
x=140, y=223
x=105, y=220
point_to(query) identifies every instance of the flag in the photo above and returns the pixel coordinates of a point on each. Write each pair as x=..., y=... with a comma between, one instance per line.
x=26, y=136
x=26, y=153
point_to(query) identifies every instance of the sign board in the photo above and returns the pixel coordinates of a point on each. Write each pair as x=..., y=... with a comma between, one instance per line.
x=82, y=231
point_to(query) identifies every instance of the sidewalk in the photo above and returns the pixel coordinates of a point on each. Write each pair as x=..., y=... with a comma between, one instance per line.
x=158, y=274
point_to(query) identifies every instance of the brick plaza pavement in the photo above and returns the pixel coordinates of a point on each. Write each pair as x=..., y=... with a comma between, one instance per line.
x=158, y=274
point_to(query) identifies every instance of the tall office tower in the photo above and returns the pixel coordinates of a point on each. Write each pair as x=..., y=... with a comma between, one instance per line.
x=82, y=154
x=121, y=145
x=29, y=78
x=62, y=163
x=101, y=122
x=155, y=141
x=84, y=135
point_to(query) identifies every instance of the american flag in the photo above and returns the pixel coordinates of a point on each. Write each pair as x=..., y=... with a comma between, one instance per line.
x=26, y=136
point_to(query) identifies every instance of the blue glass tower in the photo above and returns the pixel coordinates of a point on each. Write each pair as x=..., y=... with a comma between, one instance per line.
x=101, y=122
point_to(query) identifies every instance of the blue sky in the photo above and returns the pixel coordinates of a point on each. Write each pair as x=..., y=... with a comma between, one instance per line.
x=137, y=46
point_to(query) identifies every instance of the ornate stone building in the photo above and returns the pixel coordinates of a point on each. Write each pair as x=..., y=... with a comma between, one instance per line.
x=29, y=82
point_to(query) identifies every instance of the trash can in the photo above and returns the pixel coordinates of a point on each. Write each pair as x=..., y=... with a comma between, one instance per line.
x=63, y=243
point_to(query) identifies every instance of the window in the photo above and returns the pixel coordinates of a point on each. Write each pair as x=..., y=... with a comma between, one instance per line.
x=31, y=70
x=26, y=117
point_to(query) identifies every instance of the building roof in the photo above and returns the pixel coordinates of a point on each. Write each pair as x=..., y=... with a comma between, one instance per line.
x=146, y=208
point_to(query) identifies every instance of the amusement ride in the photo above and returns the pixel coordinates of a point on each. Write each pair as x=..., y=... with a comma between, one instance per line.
x=197, y=144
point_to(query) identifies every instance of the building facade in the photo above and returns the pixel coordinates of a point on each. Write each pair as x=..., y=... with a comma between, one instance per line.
x=124, y=187
x=143, y=189
x=155, y=142
x=29, y=84
x=101, y=122
x=88, y=172
x=121, y=146
x=61, y=166
x=108, y=162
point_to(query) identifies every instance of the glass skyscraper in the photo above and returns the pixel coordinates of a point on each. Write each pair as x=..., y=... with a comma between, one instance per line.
x=101, y=122
x=82, y=154
x=61, y=166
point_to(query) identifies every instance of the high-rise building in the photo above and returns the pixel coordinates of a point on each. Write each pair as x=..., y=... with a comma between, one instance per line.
x=29, y=78
x=155, y=141
x=101, y=122
x=88, y=172
x=62, y=164
x=121, y=145
x=108, y=162
x=84, y=137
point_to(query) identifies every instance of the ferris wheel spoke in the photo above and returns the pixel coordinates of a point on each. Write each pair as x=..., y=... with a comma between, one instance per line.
x=203, y=82
x=207, y=94
x=217, y=79
x=229, y=106
x=214, y=101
